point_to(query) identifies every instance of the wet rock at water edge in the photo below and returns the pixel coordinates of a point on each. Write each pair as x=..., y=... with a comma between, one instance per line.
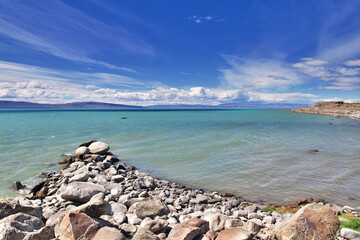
x=17, y=186
x=99, y=148
x=87, y=143
x=82, y=151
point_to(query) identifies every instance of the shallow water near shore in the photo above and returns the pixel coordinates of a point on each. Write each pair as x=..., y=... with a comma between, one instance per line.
x=258, y=154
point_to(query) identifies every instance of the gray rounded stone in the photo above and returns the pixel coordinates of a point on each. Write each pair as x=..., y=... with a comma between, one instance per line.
x=81, y=191
x=82, y=151
x=99, y=148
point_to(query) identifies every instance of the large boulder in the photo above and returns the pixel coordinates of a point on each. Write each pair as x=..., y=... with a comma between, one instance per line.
x=189, y=229
x=151, y=207
x=99, y=148
x=234, y=234
x=81, y=191
x=109, y=233
x=75, y=226
x=313, y=221
x=12, y=206
x=16, y=227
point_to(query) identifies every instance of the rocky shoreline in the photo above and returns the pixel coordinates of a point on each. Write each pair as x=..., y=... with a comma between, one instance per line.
x=96, y=196
x=333, y=109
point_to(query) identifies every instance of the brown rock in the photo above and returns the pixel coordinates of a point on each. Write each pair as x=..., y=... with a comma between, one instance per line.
x=12, y=206
x=76, y=226
x=94, y=208
x=252, y=227
x=44, y=233
x=151, y=207
x=234, y=234
x=180, y=232
x=217, y=222
x=266, y=234
x=143, y=233
x=109, y=233
x=69, y=160
x=189, y=229
x=313, y=221
x=156, y=225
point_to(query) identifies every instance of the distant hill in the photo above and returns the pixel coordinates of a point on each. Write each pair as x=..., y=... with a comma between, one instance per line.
x=14, y=104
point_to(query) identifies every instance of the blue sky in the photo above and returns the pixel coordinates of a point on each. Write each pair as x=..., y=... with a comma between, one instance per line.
x=180, y=52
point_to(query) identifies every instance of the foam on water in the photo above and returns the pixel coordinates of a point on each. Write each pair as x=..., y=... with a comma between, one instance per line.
x=258, y=154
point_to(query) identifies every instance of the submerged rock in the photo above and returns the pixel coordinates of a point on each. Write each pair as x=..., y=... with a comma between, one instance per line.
x=17, y=186
x=313, y=151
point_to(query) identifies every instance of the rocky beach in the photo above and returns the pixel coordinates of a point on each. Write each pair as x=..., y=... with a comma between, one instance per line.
x=97, y=196
x=332, y=108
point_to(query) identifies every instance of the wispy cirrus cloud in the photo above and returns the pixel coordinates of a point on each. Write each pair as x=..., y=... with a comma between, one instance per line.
x=258, y=74
x=67, y=32
x=200, y=19
x=336, y=76
x=340, y=35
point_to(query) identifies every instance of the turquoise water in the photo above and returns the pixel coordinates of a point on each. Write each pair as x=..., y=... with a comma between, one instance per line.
x=259, y=154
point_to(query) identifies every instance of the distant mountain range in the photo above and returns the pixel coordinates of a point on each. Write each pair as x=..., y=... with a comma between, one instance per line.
x=15, y=104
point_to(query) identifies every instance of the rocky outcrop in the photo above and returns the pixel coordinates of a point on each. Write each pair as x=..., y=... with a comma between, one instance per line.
x=313, y=221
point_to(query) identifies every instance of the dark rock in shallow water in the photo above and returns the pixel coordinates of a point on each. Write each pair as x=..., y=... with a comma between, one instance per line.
x=69, y=160
x=35, y=189
x=124, y=118
x=17, y=186
x=313, y=151
x=87, y=143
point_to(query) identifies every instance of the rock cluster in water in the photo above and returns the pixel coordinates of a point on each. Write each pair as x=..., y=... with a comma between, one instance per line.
x=96, y=197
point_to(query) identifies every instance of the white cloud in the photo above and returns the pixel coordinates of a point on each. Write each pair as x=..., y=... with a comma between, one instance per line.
x=353, y=63
x=336, y=77
x=282, y=97
x=29, y=83
x=259, y=74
